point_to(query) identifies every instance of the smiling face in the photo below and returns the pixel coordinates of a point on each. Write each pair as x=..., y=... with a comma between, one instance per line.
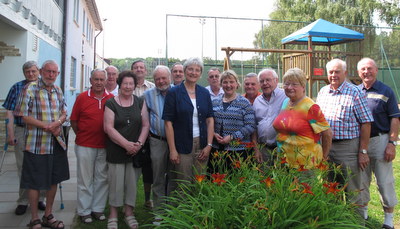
x=268, y=83
x=98, y=81
x=139, y=68
x=162, y=79
x=336, y=74
x=293, y=90
x=192, y=73
x=127, y=86
x=229, y=85
x=112, y=75
x=251, y=86
x=367, y=71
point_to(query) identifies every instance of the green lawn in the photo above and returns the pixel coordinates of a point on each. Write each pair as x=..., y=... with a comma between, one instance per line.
x=145, y=218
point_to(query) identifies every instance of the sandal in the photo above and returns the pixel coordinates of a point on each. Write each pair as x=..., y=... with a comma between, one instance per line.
x=52, y=223
x=131, y=222
x=86, y=218
x=98, y=216
x=112, y=223
x=33, y=223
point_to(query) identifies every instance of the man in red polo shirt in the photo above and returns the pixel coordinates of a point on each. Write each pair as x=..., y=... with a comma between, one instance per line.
x=87, y=123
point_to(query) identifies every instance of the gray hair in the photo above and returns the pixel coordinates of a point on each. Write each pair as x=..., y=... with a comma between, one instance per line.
x=111, y=66
x=214, y=69
x=270, y=70
x=193, y=61
x=98, y=70
x=30, y=64
x=336, y=61
x=159, y=68
x=251, y=74
x=366, y=59
x=49, y=62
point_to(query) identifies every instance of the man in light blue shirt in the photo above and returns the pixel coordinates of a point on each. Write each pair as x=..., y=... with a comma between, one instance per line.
x=155, y=98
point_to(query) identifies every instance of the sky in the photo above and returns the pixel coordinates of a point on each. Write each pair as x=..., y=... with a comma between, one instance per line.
x=139, y=28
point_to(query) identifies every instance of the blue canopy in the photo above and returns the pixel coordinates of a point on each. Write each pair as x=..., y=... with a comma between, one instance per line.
x=323, y=33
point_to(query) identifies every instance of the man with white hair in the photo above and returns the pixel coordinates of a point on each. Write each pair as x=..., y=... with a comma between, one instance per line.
x=111, y=83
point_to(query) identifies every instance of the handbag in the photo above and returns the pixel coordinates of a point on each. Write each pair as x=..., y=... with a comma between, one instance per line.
x=139, y=159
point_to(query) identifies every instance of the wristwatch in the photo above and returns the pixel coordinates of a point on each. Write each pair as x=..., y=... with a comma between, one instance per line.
x=363, y=151
x=393, y=142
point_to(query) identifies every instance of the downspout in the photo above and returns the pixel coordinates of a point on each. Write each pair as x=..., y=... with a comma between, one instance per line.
x=63, y=45
x=94, y=59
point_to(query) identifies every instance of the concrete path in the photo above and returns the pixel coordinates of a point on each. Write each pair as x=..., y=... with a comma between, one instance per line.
x=9, y=184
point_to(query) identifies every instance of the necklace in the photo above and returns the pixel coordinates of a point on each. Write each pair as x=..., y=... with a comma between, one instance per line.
x=227, y=100
x=128, y=121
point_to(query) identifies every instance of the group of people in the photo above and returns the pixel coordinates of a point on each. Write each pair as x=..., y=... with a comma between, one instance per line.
x=127, y=126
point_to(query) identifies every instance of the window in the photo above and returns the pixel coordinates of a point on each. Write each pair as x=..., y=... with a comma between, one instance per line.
x=72, y=77
x=84, y=23
x=76, y=11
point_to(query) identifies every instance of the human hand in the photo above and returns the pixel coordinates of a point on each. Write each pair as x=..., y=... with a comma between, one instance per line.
x=205, y=152
x=11, y=140
x=363, y=160
x=390, y=152
x=174, y=157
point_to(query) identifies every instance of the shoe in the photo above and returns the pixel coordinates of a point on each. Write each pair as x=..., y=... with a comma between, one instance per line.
x=384, y=226
x=21, y=209
x=149, y=204
x=51, y=222
x=32, y=224
x=86, y=218
x=98, y=216
x=112, y=223
x=157, y=221
x=41, y=206
x=131, y=222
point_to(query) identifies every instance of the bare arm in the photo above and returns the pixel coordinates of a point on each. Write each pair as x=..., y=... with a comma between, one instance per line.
x=390, y=151
x=173, y=153
x=365, y=133
x=145, y=125
x=113, y=134
x=326, y=137
x=11, y=140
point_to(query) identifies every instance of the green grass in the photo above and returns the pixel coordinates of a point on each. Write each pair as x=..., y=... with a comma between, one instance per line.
x=144, y=217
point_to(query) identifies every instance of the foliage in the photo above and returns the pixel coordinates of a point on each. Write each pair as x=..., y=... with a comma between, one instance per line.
x=251, y=195
x=298, y=13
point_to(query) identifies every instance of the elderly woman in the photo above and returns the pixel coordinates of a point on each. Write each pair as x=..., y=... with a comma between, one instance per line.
x=189, y=123
x=126, y=123
x=304, y=136
x=234, y=119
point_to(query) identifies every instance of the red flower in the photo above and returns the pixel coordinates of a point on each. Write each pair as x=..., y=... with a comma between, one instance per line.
x=331, y=187
x=283, y=160
x=268, y=181
x=236, y=164
x=218, y=178
x=248, y=145
x=242, y=179
x=322, y=166
x=307, y=189
x=200, y=178
x=302, y=169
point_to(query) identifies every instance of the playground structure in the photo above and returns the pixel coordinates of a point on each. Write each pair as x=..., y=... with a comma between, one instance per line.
x=315, y=37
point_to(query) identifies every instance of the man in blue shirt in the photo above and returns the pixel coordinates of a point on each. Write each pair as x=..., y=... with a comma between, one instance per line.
x=384, y=135
x=155, y=98
x=16, y=134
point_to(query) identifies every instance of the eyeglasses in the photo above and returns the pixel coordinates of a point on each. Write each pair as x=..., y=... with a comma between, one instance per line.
x=291, y=84
x=51, y=71
x=213, y=76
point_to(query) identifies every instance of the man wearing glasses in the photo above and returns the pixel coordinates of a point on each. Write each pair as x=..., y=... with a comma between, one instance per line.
x=214, y=86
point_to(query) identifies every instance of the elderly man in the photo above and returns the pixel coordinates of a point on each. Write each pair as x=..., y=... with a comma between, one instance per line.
x=139, y=68
x=177, y=73
x=16, y=135
x=214, y=86
x=111, y=83
x=346, y=110
x=87, y=123
x=45, y=164
x=159, y=151
x=266, y=108
x=383, y=138
x=251, y=87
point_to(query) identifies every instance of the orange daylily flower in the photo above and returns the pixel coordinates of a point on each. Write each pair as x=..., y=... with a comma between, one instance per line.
x=307, y=189
x=215, y=154
x=260, y=206
x=236, y=164
x=268, y=181
x=200, y=178
x=302, y=169
x=283, y=160
x=331, y=187
x=248, y=145
x=242, y=179
x=322, y=166
x=218, y=178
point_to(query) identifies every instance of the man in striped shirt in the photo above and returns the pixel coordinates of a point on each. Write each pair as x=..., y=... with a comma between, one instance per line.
x=42, y=106
x=159, y=150
x=345, y=108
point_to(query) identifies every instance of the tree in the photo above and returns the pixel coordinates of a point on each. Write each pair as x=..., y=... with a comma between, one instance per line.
x=291, y=15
